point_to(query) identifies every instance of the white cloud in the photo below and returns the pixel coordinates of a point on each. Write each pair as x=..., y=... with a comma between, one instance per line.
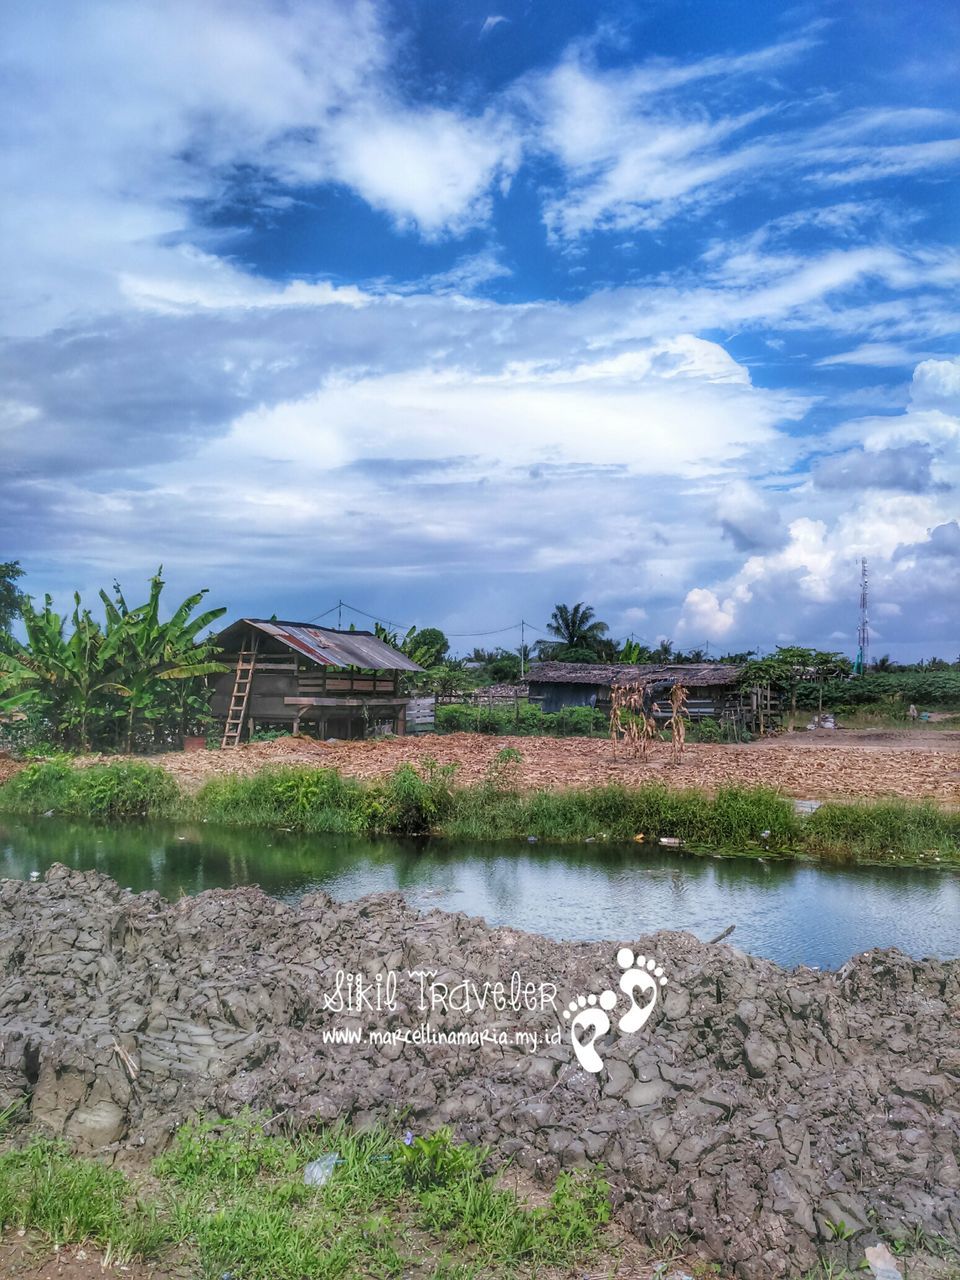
x=680, y=406
x=145, y=112
x=430, y=169
x=872, y=354
x=638, y=147
x=936, y=385
x=704, y=615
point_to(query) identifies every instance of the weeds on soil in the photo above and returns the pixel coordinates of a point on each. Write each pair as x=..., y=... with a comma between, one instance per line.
x=233, y=1198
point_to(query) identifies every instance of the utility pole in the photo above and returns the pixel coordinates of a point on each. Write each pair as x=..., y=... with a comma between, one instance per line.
x=339, y=615
x=522, y=646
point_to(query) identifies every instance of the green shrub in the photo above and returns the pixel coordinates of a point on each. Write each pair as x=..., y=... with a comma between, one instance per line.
x=37, y=788
x=526, y=719
x=103, y=792
x=286, y=796
x=885, y=827
x=114, y=791
x=413, y=803
x=708, y=730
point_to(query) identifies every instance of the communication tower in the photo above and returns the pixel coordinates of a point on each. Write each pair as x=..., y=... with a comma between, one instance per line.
x=863, y=630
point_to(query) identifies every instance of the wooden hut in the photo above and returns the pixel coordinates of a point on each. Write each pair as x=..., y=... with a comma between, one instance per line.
x=289, y=675
x=714, y=689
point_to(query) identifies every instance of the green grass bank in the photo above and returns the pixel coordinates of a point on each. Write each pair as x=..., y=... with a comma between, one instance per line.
x=417, y=803
x=230, y=1198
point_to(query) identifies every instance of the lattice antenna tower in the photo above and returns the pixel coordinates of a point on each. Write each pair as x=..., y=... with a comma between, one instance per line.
x=863, y=630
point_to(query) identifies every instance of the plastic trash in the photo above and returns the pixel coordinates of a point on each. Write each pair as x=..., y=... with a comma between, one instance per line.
x=671, y=842
x=882, y=1263
x=319, y=1172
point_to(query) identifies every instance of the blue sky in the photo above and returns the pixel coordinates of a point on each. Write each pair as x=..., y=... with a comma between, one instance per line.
x=456, y=310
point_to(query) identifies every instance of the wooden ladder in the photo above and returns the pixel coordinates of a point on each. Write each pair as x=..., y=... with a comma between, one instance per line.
x=236, y=714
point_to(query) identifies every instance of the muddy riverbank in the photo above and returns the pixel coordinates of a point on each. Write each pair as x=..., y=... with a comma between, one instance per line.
x=770, y=1114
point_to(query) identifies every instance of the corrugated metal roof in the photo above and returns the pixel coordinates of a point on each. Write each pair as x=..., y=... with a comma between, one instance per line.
x=333, y=648
x=690, y=674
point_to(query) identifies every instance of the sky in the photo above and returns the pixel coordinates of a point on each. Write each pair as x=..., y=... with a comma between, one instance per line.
x=455, y=310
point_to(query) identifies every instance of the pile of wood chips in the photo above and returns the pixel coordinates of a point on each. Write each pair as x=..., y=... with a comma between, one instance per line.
x=792, y=763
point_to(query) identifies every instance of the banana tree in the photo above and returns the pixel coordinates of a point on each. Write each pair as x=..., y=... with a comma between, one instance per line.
x=67, y=676
x=149, y=654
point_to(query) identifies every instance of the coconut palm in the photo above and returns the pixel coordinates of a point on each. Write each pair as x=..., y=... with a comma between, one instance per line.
x=577, y=628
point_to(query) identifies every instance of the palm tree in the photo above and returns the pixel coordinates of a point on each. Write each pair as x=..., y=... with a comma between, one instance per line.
x=577, y=628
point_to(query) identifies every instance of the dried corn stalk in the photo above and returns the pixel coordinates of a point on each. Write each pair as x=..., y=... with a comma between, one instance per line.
x=630, y=720
x=678, y=722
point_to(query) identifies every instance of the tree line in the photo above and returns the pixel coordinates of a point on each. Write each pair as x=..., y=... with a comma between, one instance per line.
x=132, y=680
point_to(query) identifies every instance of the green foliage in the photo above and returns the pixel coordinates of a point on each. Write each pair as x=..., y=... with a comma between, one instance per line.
x=792, y=667
x=919, y=830
x=433, y=1160
x=285, y=796
x=11, y=598
x=412, y=803
x=580, y=636
x=525, y=719
x=70, y=1201
x=707, y=730
x=241, y=1199
x=135, y=677
x=504, y=667
x=105, y=793
x=407, y=803
x=266, y=735
x=891, y=691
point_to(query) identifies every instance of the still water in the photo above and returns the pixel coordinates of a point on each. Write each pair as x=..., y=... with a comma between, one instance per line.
x=789, y=912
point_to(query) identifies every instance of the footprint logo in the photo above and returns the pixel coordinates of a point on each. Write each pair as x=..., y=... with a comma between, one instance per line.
x=588, y=1016
x=644, y=976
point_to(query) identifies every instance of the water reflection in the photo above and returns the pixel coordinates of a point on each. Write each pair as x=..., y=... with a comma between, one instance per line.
x=791, y=912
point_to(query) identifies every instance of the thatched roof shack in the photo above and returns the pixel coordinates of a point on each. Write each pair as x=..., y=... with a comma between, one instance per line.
x=713, y=686
x=282, y=674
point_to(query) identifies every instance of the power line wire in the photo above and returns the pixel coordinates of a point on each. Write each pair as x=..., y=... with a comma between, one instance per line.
x=391, y=622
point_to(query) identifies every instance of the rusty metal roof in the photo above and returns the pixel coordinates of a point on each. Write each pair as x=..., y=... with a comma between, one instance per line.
x=692, y=674
x=327, y=647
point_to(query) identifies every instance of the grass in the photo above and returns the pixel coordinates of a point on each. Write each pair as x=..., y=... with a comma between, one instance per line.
x=739, y=820
x=231, y=1198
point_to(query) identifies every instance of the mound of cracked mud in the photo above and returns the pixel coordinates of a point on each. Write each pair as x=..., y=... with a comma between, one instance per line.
x=756, y=1106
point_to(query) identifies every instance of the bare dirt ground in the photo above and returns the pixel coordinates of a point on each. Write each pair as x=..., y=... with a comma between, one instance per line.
x=911, y=764
x=27, y=1256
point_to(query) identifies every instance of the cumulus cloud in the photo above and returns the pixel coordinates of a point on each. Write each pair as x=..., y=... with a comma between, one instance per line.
x=936, y=385
x=942, y=542
x=704, y=614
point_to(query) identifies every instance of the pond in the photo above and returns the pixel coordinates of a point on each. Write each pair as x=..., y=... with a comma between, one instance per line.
x=793, y=913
